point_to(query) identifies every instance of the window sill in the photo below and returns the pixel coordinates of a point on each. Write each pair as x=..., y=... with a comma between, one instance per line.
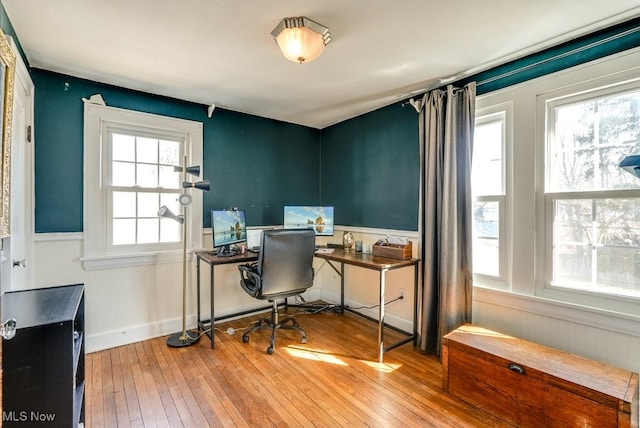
x=113, y=261
x=609, y=320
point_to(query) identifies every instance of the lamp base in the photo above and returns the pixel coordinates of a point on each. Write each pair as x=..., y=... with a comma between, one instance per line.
x=180, y=340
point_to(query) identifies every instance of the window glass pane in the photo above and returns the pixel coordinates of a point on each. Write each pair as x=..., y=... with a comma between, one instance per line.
x=124, y=231
x=123, y=147
x=573, y=221
x=618, y=270
x=171, y=201
x=169, y=179
x=124, y=204
x=486, y=177
x=170, y=230
x=148, y=229
x=597, y=245
x=486, y=243
x=572, y=265
x=590, y=139
x=169, y=152
x=141, y=161
x=147, y=150
x=123, y=174
x=148, y=204
x=147, y=175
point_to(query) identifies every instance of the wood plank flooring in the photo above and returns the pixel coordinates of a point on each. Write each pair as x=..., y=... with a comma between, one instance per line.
x=334, y=380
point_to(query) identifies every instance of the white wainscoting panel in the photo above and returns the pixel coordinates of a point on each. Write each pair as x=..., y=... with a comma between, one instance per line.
x=129, y=304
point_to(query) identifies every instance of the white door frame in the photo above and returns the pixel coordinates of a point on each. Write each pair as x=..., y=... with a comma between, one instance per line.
x=22, y=180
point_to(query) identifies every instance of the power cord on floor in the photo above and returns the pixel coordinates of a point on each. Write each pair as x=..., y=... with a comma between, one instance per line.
x=311, y=308
x=401, y=297
x=304, y=308
x=231, y=330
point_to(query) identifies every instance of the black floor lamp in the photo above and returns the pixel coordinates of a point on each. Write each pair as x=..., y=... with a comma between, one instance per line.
x=183, y=338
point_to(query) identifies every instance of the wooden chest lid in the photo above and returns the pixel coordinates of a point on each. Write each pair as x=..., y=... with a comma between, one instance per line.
x=591, y=379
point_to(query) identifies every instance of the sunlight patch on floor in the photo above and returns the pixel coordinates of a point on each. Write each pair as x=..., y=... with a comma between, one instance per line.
x=315, y=354
x=382, y=367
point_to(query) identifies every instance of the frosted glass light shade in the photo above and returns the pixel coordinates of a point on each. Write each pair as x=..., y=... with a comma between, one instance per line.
x=301, y=39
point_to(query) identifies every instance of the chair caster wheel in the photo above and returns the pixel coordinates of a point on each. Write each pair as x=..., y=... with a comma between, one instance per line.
x=270, y=350
x=303, y=340
x=245, y=339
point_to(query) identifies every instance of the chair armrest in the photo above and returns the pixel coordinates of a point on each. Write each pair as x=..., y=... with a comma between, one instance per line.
x=249, y=279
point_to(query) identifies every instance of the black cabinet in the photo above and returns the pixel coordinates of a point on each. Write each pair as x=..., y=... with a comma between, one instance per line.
x=43, y=365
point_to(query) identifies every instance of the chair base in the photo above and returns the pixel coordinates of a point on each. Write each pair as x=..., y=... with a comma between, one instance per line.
x=288, y=323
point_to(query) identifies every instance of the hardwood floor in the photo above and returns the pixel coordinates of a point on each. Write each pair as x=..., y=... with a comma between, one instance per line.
x=333, y=380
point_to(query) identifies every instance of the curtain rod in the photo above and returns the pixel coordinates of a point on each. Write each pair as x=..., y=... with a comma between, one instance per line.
x=559, y=56
x=539, y=63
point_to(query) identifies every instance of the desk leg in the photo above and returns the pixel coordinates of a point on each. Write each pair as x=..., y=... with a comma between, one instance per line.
x=383, y=276
x=212, y=288
x=342, y=288
x=415, y=305
x=198, y=291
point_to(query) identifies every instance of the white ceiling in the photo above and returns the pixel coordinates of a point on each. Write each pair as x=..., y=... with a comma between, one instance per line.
x=221, y=51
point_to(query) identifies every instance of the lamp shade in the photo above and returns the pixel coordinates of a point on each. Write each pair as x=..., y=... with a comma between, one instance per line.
x=301, y=39
x=165, y=212
x=631, y=164
x=202, y=185
x=191, y=170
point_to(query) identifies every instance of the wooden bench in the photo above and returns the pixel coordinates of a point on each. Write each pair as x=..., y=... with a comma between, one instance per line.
x=530, y=385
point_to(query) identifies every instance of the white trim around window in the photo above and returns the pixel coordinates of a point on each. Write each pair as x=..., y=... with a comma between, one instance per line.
x=529, y=278
x=98, y=254
x=502, y=113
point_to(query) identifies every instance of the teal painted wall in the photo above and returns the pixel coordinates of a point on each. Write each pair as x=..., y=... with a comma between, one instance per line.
x=260, y=165
x=253, y=163
x=370, y=169
x=367, y=167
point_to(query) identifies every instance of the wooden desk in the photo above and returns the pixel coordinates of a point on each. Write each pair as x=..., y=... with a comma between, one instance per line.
x=382, y=265
x=213, y=260
x=363, y=260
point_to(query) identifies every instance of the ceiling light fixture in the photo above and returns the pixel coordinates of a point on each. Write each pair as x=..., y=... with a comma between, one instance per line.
x=301, y=39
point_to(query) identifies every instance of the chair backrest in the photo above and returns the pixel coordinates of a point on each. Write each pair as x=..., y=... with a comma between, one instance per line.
x=285, y=264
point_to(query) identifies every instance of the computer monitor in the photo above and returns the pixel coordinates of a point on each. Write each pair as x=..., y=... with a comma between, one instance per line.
x=318, y=218
x=229, y=227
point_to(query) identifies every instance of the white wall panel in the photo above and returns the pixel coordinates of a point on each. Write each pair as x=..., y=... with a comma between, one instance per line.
x=601, y=344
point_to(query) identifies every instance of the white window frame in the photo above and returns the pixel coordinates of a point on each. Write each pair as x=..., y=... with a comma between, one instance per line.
x=544, y=287
x=98, y=254
x=112, y=128
x=504, y=111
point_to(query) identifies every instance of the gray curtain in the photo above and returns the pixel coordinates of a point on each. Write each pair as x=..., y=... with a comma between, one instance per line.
x=446, y=144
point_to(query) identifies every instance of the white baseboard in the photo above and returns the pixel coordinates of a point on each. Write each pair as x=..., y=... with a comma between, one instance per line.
x=137, y=333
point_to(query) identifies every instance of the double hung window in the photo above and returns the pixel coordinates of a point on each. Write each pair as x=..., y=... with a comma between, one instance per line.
x=141, y=179
x=130, y=160
x=592, y=206
x=489, y=196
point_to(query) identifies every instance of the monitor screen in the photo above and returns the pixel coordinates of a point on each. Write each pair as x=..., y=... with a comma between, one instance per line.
x=320, y=219
x=229, y=227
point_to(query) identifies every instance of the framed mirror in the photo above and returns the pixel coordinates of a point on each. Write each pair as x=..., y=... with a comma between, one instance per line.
x=7, y=79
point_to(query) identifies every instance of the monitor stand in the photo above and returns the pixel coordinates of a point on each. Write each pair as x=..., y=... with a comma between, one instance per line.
x=226, y=251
